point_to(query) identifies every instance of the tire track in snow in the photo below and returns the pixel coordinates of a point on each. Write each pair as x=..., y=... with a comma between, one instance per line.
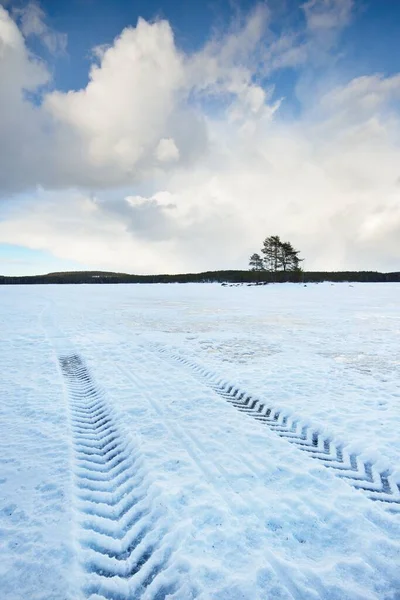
x=379, y=486
x=218, y=479
x=126, y=545
x=300, y=582
x=208, y=467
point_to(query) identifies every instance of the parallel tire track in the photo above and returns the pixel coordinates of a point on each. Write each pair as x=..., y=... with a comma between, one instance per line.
x=214, y=473
x=125, y=543
x=208, y=465
x=377, y=485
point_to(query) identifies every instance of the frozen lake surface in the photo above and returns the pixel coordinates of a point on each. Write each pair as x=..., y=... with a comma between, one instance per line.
x=200, y=441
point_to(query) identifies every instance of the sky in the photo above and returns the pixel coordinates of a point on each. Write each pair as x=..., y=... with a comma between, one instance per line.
x=160, y=136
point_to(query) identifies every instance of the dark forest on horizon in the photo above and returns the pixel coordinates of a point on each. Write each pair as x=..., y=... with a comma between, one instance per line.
x=231, y=276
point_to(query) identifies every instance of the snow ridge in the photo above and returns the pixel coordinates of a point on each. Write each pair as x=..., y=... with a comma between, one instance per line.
x=125, y=542
x=378, y=485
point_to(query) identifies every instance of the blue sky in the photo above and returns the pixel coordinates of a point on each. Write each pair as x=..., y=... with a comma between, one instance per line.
x=25, y=261
x=148, y=163
x=370, y=42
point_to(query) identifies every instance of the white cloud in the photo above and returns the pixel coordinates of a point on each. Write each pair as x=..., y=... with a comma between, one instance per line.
x=142, y=105
x=19, y=70
x=363, y=96
x=106, y=134
x=334, y=199
x=326, y=19
x=227, y=63
x=142, y=91
x=23, y=149
x=327, y=181
x=77, y=227
x=167, y=151
x=129, y=103
x=33, y=23
x=325, y=15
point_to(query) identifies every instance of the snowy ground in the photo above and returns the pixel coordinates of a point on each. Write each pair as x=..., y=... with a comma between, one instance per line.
x=200, y=441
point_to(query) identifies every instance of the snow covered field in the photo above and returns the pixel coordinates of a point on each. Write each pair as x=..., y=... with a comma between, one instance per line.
x=200, y=441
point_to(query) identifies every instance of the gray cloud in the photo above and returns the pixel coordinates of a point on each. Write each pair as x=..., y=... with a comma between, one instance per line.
x=145, y=218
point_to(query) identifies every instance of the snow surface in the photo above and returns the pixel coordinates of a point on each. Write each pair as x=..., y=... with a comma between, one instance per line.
x=198, y=499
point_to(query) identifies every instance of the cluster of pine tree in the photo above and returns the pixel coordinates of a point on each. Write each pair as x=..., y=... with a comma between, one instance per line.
x=277, y=256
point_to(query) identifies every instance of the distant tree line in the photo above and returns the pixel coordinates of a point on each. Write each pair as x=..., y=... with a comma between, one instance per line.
x=276, y=256
x=250, y=277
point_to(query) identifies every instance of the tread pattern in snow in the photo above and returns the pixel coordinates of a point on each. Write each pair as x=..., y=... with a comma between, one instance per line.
x=125, y=544
x=377, y=485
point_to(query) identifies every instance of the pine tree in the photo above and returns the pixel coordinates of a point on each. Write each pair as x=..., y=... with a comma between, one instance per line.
x=276, y=245
x=290, y=259
x=256, y=263
x=277, y=256
x=267, y=251
x=271, y=250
